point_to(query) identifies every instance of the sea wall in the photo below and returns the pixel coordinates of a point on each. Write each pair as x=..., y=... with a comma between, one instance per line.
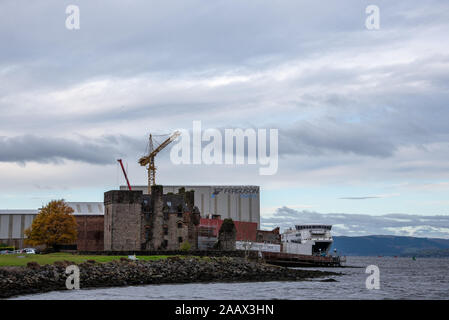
x=197, y=253
x=38, y=279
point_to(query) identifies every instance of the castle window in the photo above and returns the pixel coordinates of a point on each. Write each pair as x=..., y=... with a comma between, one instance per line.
x=179, y=214
x=165, y=231
x=179, y=225
x=180, y=239
x=165, y=243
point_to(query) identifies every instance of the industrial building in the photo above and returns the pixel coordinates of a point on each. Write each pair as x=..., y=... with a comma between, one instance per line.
x=213, y=204
x=240, y=203
x=88, y=215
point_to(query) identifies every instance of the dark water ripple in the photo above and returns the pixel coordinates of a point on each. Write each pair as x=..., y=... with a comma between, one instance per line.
x=400, y=278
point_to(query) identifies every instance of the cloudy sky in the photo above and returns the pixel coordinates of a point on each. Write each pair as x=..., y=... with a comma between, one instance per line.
x=362, y=114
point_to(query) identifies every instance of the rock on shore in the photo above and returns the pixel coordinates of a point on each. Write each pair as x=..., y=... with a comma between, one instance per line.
x=38, y=279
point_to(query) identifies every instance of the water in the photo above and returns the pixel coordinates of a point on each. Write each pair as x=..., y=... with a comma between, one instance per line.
x=400, y=278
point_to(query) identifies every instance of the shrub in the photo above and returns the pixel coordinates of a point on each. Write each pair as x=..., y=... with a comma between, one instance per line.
x=7, y=248
x=185, y=246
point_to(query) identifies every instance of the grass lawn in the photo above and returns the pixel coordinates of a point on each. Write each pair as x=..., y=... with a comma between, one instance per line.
x=14, y=260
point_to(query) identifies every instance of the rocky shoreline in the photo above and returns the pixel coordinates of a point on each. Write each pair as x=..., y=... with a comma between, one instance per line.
x=38, y=279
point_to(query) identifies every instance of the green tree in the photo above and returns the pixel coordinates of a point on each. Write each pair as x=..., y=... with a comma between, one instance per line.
x=185, y=246
x=55, y=224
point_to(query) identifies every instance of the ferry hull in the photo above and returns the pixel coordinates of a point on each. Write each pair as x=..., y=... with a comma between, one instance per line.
x=298, y=260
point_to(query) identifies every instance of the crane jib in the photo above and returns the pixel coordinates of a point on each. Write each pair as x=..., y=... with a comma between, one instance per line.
x=149, y=159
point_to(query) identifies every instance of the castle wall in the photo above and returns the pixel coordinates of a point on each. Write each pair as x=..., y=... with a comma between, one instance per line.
x=134, y=221
x=123, y=220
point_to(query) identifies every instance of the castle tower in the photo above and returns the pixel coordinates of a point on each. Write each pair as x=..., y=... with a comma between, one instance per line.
x=122, y=220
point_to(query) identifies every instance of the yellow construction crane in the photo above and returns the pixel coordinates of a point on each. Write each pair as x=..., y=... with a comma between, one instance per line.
x=149, y=159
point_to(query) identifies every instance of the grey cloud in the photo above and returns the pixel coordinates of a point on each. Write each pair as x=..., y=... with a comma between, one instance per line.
x=363, y=224
x=27, y=148
x=152, y=36
x=331, y=112
x=327, y=136
x=370, y=131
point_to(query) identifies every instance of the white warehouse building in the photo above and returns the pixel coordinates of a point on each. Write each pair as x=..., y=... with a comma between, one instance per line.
x=240, y=203
x=13, y=223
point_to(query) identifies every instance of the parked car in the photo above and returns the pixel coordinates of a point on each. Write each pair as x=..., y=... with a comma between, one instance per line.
x=6, y=252
x=29, y=251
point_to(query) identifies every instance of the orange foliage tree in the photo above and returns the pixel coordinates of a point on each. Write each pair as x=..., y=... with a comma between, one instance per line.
x=55, y=224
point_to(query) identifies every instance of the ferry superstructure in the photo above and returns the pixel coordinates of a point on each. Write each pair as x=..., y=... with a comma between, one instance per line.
x=308, y=239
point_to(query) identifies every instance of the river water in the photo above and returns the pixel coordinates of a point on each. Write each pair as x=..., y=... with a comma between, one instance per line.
x=400, y=278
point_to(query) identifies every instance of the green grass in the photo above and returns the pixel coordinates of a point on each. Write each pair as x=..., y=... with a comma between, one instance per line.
x=14, y=260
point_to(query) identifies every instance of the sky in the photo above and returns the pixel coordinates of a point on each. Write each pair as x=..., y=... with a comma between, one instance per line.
x=362, y=114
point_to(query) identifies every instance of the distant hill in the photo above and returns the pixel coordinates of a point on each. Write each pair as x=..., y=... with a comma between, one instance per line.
x=432, y=253
x=391, y=246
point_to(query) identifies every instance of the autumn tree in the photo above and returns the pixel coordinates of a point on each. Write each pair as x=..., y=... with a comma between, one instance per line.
x=55, y=224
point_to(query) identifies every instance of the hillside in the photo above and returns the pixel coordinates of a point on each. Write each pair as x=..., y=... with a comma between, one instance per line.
x=391, y=246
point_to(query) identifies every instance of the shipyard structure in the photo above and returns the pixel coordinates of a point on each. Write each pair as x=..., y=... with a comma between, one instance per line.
x=168, y=218
x=239, y=203
x=164, y=220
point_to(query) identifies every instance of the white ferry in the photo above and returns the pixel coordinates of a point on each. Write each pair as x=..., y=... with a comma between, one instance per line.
x=307, y=239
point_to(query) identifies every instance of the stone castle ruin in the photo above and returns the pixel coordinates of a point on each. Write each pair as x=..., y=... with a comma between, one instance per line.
x=134, y=221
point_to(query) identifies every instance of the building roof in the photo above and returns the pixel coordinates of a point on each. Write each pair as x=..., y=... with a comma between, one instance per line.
x=87, y=208
x=79, y=208
x=19, y=211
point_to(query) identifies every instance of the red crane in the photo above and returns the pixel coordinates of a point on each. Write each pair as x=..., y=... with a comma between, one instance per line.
x=124, y=172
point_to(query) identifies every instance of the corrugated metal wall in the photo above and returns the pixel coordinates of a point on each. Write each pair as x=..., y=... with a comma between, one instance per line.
x=12, y=227
x=230, y=201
